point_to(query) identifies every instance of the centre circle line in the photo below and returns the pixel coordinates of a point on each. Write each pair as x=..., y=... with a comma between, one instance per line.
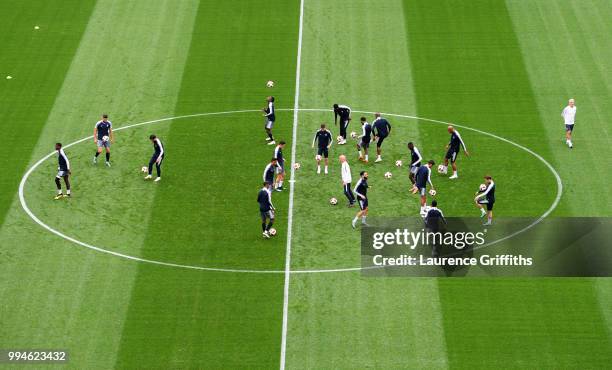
x=218, y=269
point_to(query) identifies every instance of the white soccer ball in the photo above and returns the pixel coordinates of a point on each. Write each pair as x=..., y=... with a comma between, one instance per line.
x=9, y=77
x=388, y=175
x=317, y=157
x=339, y=138
x=272, y=231
x=398, y=163
x=482, y=187
x=333, y=201
x=297, y=166
x=432, y=192
x=145, y=169
x=105, y=138
x=353, y=134
x=442, y=169
x=270, y=83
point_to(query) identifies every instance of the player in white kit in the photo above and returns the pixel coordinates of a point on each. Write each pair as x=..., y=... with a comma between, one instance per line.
x=569, y=115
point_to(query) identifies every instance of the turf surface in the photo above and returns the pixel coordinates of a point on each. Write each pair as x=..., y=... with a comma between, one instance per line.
x=502, y=67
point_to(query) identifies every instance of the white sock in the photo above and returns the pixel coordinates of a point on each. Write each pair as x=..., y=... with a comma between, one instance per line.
x=68, y=191
x=318, y=168
x=366, y=157
x=454, y=173
x=355, y=219
x=363, y=219
x=280, y=184
x=59, y=191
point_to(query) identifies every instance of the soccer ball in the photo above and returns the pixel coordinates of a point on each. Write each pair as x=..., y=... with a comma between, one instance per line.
x=432, y=192
x=398, y=163
x=339, y=138
x=442, y=169
x=482, y=187
x=353, y=134
x=105, y=138
x=144, y=169
x=333, y=201
x=296, y=166
x=388, y=175
x=317, y=157
x=272, y=231
x=270, y=83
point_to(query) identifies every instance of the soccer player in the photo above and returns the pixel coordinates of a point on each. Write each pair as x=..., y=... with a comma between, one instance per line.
x=361, y=189
x=270, y=117
x=63, y=172
x=569, y=114
x=365, y=138
x=452, y=150
x=487, y=198
x=423, y=176
x=381, y=129
x=157, y=158
x=324, y=138
x=280, y=160
x=103, y=137
x=270, y=171
x=344, y=112
x=433, y=220
x=415, y=161
x=266, y=208
x=346, y=180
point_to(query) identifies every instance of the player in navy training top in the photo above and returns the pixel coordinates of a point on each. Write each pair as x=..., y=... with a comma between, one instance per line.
x=63, y=172
x=433, y=222
x=381, y=129
x=157, y=157
x=270, y=171
x=423, y=176
x=361, y=191
x=453, y=148
x=266, y=208
x=103, y=137
x=365, y=138
x=344, y=112
x=487, y=198
x=415, y=161
x=324, y=139
x=269, y=114
x=280, y=160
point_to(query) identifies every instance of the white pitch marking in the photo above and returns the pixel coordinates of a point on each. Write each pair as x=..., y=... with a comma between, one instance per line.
x=204, y=268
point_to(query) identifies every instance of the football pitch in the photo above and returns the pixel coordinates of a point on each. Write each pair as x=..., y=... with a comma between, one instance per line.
x=130, y=273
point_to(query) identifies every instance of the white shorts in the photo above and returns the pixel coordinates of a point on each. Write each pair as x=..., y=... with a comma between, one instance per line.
x=269, y=124
x=414, y=169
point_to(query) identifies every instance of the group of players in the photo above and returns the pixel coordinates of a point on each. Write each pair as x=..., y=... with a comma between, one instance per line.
x=377, y=131
x=103, y=137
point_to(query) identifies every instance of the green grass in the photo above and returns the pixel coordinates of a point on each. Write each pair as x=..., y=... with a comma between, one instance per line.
x=502, y=67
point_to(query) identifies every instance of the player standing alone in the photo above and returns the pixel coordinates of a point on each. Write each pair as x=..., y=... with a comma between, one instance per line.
x=344, y=112
x=346, y=180
x=381, y=128
x=453, y=148
x=156, y=158
x=63, y=171
x=266, y=208
x=270, y=117
x=486, y=197
x=569, y=115
x=103, y=137
x=324, y=139
x=423, y=176
x=361, y=189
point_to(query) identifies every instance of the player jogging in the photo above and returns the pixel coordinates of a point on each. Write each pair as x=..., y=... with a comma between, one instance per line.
x=270, y=171
x=453, y=148
x=415, y=161
x=157, y=158
x=361, y=190
x=364, y=140
x=63, y=172
x=103, y=137
x=344, y=112
x=487, y=198
x=270, y=117
x=280, y=160
x=423, y=176
x=266, y=208
x=346, y=180
x=381, y=129
x=569, y=115
x=324, y=139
